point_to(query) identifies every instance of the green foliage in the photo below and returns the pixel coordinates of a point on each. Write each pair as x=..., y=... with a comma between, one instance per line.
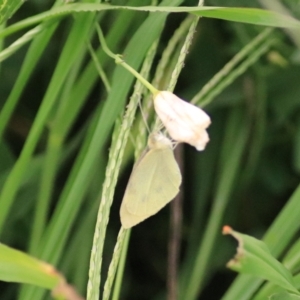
x=253, y=257
x=284, y=296
x=8, y=8
x=70, y=125
x=16, y=266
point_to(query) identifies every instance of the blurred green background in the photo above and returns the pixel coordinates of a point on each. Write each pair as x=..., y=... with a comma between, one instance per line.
x=260, y=109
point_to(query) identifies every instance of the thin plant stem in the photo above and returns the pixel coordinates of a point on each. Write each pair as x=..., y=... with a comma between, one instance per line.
x=99, y=68
x=236, y=128
x=176, y=205
x=121, y=266
x=175, y=234
x=146, y=106
x=210, y=86
x=180, y=62
x=179, y=34
x=119, y=61
x=112, y=171
x=254, y=56
x=118, y=250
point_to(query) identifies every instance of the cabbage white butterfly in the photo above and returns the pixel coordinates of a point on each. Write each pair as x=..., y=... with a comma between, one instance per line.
x=153, y=183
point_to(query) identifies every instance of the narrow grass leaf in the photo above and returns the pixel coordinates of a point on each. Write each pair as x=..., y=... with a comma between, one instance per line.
x=284, y=296
x=244, y=15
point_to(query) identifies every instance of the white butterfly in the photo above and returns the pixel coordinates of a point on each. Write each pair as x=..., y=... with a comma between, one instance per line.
x=154, y=182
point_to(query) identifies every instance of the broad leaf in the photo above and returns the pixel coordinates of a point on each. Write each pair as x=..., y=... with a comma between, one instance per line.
x=254, y=258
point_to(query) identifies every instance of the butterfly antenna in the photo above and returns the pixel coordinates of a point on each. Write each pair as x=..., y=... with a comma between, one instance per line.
x=174, y=144
x=163, y=130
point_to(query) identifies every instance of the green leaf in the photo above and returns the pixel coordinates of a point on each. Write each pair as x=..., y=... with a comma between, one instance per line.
x=8, y=8
x=284, y=296
x=244, y=15
x=16, y=266
x=236, y=14
x=254, y=258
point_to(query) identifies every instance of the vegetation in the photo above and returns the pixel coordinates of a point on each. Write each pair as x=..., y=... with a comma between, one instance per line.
x=72, y=122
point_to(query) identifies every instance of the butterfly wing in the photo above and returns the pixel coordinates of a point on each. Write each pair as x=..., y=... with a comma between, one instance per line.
x=129, y=220
x=154, y=182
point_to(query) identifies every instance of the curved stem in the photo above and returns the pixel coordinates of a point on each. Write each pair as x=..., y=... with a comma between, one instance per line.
x=118, y=60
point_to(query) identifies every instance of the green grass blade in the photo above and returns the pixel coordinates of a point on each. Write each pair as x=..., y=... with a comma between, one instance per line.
x=244, y=15
x=32, y=56
x=8, y=8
